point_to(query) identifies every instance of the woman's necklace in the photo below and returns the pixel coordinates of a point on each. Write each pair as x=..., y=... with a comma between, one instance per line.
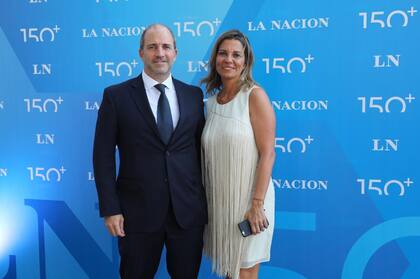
x=223, y=98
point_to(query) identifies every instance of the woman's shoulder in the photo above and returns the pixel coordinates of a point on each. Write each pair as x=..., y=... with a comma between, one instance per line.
x=256, y=88
x=258, y=96
x=210, y=100
x=257, y=91
x=249, y=88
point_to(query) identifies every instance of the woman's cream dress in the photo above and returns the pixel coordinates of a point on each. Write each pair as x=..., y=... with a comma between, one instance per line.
x=229, y=160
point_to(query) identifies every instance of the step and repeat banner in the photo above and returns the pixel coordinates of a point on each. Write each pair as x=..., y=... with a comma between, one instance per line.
x=343, y=78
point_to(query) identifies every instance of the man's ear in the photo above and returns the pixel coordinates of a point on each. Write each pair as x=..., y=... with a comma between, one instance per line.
x=176, y=54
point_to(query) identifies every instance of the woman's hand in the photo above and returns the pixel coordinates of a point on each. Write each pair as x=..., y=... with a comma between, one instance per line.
x=256, y=217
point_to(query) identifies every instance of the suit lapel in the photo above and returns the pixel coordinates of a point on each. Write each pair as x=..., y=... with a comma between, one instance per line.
x=140, y=99
x=180, y=95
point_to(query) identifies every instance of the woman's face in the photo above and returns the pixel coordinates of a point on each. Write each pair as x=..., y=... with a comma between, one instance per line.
x=230, y=59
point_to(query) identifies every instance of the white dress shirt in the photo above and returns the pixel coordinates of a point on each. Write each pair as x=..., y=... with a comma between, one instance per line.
x=153, y=95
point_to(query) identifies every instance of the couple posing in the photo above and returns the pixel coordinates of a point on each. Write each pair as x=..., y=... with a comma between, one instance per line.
x=183, y=181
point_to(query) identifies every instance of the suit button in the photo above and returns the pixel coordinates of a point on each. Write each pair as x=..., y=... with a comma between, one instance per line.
x=166, y=180
x=167, y=153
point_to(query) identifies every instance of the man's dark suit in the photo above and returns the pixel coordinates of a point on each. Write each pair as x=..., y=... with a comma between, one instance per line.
x=153, y=178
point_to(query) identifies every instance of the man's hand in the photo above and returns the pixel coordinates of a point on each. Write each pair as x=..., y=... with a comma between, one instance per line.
x=115, y=225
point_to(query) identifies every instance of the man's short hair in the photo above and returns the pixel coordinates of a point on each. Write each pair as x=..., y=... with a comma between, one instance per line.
x=153, y=26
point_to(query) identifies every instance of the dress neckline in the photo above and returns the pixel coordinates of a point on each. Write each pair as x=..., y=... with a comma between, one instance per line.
x=237, y=93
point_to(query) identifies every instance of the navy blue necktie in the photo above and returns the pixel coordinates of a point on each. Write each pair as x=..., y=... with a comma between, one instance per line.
x=164, y=117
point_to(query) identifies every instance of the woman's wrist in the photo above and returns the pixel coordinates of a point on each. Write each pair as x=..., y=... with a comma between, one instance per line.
x=257, y=202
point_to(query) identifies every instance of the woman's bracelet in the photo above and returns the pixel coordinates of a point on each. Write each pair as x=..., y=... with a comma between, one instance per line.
x=257, y=199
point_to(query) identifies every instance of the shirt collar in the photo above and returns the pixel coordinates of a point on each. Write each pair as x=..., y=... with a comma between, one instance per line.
x=150, y=82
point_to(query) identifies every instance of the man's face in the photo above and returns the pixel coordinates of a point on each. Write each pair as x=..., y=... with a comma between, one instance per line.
x=158, y=53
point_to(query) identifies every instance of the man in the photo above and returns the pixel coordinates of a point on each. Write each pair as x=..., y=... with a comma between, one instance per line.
x=157, y=198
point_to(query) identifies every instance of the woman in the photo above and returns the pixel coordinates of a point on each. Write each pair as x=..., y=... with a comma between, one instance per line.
x=238, y=156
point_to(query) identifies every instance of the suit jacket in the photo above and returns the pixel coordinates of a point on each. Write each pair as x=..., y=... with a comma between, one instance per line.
x=151, y=174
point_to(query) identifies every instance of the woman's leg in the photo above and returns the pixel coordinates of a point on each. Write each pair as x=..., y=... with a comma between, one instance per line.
x=249, y=273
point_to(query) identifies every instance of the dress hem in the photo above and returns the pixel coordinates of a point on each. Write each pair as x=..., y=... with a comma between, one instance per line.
x=253, y=263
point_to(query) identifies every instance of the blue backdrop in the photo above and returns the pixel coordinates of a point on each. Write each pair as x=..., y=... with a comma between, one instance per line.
x=343, y=80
